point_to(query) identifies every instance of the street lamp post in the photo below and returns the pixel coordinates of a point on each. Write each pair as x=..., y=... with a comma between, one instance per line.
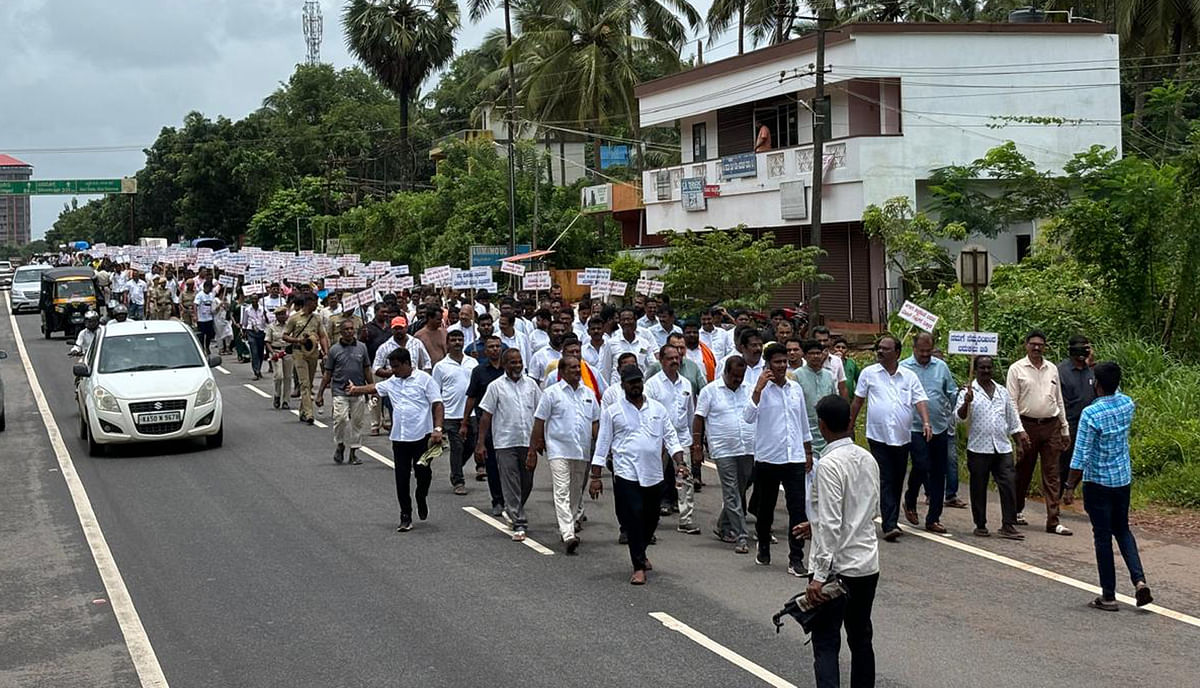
x=973, y=274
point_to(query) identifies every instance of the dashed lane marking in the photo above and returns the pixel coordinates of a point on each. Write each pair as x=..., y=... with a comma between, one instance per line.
x=500, y=526
x=145, y=661
x=721, y=651
x=257, y=391
x=223, y=370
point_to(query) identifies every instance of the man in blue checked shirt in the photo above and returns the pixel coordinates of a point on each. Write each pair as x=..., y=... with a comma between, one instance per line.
x=1101, y=460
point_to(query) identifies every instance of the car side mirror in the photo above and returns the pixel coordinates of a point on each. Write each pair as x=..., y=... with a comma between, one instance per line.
x=81, y=370
x=214, y=360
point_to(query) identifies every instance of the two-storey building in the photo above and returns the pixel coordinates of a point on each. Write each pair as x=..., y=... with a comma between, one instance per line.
x=904, y=100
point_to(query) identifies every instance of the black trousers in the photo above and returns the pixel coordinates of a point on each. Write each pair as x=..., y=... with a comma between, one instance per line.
x=406, y=454
x=637, y=512
x=853, y=611
x=893, y=462
x=1000, y=468
x=767, y=479
x=928, y=471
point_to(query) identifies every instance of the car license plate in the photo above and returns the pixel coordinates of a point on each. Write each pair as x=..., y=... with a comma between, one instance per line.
x=166, y=417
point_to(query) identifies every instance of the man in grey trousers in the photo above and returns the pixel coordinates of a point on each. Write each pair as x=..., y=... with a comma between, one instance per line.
x=719, y=421
x=508, y=406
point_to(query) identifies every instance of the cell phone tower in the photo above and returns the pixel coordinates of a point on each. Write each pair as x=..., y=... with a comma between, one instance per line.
x=313, y=29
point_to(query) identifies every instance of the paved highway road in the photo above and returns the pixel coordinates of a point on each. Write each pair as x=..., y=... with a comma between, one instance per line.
x=263, y=563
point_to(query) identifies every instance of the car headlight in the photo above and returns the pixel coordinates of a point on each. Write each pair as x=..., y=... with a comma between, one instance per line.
x=105, y=401
x=208, y=392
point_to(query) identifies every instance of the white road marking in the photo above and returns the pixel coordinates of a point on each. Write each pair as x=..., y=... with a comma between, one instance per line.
x=319, y=424
x=145, y=662
x=500, y=526
x=257, y=391
x=1050, y=575
x=378, y=457
x=222, y=369
x=720, y=650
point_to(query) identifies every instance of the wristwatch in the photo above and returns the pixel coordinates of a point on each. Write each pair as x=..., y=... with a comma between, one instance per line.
x=437, y=428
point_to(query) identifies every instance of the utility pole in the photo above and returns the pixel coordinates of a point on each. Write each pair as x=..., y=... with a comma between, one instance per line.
x=512, y=174
x=820, y=115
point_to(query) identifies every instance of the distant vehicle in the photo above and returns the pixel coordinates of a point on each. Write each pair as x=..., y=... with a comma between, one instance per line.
x=3, y=355
x=146, y=381
x=26, y=286
x=6, y=273
x=67, y=295
x=214, y=244
x=153, y=242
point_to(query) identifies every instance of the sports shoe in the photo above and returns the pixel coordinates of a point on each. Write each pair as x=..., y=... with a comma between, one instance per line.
x=742, y=548
x=893, y=535
x=689, y=528
x=354, y=460
x=799, y=571
x=762, y=559
x=339, y=454
x=1021, y=520
x=572, y=544
x=1059, y=529
x=518, y=535
x=284, y=405
x=405, y=526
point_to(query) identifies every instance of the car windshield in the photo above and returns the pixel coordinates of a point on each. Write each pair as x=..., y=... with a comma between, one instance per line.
x=73, y=289
x=27, y=276
x=149, y=351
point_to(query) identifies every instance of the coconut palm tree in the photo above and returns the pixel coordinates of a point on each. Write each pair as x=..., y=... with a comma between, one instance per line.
x=401, y=42
x=763, y=19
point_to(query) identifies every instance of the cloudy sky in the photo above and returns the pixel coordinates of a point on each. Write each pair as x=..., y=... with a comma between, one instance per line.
x=89, y=83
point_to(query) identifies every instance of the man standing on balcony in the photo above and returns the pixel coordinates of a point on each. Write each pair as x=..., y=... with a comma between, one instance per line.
x=763, y=142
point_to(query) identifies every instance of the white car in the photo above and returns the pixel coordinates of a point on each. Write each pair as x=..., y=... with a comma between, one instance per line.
x=27, y=287
x=146, y=381
x=6, y=273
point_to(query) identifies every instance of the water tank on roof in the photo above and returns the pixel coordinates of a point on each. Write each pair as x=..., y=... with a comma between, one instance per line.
x=1026, y=15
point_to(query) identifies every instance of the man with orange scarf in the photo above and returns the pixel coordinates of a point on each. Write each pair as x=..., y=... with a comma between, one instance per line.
x=698, y=351
x=589, y=378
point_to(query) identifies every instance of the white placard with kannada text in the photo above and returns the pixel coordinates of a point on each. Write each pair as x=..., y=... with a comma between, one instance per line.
x=911, y=312
x=536, y=281
x=974, y=343
x=510, y=267
x=591, y=276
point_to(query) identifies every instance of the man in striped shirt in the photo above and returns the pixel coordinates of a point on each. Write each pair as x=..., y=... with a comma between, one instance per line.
x=1101, y=460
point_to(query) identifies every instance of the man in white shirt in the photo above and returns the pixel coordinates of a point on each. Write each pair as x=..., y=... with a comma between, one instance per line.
x=274, y=300
x=254, y=331
x=510, y=337
x=137, y=296
x=452, y=375
x=565, y=423
x=551, y=353
x=994, y=419
x=665, y=326
x=417, y=415
x=750, y=348
x=675, y=393
x=720, y=419
x=401, y=340
x=650, y=319
x=593, y=343
x=844, y=545
x=636, y=429
x=626, y=340
x=891, y=393
x=580, y=324
x=508, y=406
x=465, y=324
x=719, y=339
x=782, y=454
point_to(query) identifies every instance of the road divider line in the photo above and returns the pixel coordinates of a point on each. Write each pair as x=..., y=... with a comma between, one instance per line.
x=257, y=391
x=145, y=661
x=503, y=528
x=378, y=457
x=1049, y=575
x=319, y=424
x=222, y=369
x=720, y=650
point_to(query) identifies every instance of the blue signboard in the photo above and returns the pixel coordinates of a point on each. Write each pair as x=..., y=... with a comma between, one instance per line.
x=739, y=165
x=614, y=155
x=490, y=256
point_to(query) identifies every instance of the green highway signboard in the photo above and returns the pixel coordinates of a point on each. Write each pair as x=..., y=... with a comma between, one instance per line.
x=127, y=185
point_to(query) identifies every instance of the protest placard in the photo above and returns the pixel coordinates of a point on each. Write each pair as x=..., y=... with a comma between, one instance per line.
x=973, y=343
x=590, y=276
x=912, y=313
x=536, y=281
x=509, y=267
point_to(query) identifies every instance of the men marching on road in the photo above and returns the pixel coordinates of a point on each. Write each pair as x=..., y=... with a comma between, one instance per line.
x=678, y=396
x=989, y=447
x=635, y=430
x=281, y=370
x=508, y=406
x=565, y=424
x=481, y=377
x=891, y=392
x=817, y=383
x=930, y=457
x=452, y=375
x=627, y=339
x=721, y=420
x=347, y=363
x=417, y=415
x=305, y=332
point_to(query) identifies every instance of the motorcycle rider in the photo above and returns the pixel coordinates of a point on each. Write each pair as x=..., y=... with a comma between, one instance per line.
x=87, y=336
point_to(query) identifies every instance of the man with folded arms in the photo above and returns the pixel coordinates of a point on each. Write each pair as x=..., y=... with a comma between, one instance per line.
x=565, y=422
x=635, y=429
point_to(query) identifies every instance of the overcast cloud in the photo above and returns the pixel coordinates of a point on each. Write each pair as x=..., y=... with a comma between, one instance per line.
x=109, y=74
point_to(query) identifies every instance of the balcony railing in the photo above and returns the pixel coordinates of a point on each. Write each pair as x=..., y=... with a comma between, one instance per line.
x=753, y=172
